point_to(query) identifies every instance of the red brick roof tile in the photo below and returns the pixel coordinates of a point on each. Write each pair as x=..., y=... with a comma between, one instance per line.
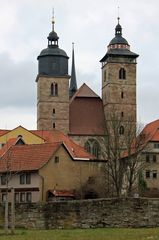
x=27, y=157
x=53, y=136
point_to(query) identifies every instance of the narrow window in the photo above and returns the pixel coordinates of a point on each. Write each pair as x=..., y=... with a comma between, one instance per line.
x=4, y=196
x=28, y=197
x=95, y=149
x=53, y=125
x=104, y=75
x=121, y=130
x=122, y=114
x=122, y=73
x=22, y=179
x=154, y=158
x=28, y=178
x=16, y=197
x=56, y=89
x=53, y=111
x=154, y=174
x=56, y=159
x=3, y=180
x=52, y=89
x=147, y=158
x=22, y=197
x=87, y=147
x=147, y=173
x=156, y=145
x=122, y=94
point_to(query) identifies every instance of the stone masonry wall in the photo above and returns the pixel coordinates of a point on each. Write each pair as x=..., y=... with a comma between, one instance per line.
x=139, y=212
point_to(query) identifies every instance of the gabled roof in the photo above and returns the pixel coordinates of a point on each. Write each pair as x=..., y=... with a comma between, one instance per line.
x=84, y=91
x=53, y=136
x=17, y=130
x=34, y=156
x=10, y=142
x=27, y=157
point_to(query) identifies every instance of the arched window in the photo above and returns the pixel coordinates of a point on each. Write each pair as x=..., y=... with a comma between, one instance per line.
x=87, y=147
x=121, y=130
x=93, y=147
x=54, y=89
x=122, y=73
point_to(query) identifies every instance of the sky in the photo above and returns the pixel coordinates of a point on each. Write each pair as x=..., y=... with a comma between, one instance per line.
x=90, y=24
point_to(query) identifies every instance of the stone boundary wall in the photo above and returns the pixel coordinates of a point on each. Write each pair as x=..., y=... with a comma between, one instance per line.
x=117, y=212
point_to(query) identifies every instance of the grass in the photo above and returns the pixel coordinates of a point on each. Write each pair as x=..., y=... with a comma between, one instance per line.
x=86, y=234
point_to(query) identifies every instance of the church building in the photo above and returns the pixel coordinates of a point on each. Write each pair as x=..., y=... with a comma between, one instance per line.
x=81, y=113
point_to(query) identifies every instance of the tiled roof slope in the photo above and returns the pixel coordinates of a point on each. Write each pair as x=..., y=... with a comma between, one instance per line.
x=27, y=157
x=6, y=147
x=76, y=151
x=2, y=131
x=152, y=129
x=86, y=113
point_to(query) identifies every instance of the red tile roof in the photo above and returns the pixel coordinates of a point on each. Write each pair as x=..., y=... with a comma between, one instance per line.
x=6, y=147
x=152, y=129
x=62, y=193
x=53, y=136
x=27, y=157
x=2, y=132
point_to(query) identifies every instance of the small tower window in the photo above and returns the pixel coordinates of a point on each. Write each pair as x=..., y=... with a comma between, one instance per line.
x=122, y=94
x=104, y=75
x=122, y=114
x=54, y=89
x=122, y=73
x=53, y=125
x=53, y=111
x=121, y=130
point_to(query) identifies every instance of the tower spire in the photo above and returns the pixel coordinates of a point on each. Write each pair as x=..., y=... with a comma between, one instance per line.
x=73, y=83
x=53, y=19
x=118, y=14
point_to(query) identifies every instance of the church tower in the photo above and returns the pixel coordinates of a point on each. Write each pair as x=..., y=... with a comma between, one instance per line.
x=119, y=79
x=53, y=86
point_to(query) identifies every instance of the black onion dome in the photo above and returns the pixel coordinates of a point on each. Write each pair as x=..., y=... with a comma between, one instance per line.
x=118, y=39
x=53, y=36
x=53, y=61
x=53, y=51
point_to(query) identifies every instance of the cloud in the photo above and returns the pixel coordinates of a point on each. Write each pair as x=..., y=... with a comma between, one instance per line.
x=17, y=81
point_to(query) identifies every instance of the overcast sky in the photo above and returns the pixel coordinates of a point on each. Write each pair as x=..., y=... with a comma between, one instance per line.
x=90, y=24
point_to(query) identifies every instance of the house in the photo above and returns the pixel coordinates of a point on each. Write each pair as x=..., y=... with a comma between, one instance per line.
x=151, y=159
x=36, y=171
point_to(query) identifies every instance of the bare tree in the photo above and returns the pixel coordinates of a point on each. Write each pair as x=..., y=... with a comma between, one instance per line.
x=123, y=147
x=113, y=153
x=136, y=141
x=7, y=174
